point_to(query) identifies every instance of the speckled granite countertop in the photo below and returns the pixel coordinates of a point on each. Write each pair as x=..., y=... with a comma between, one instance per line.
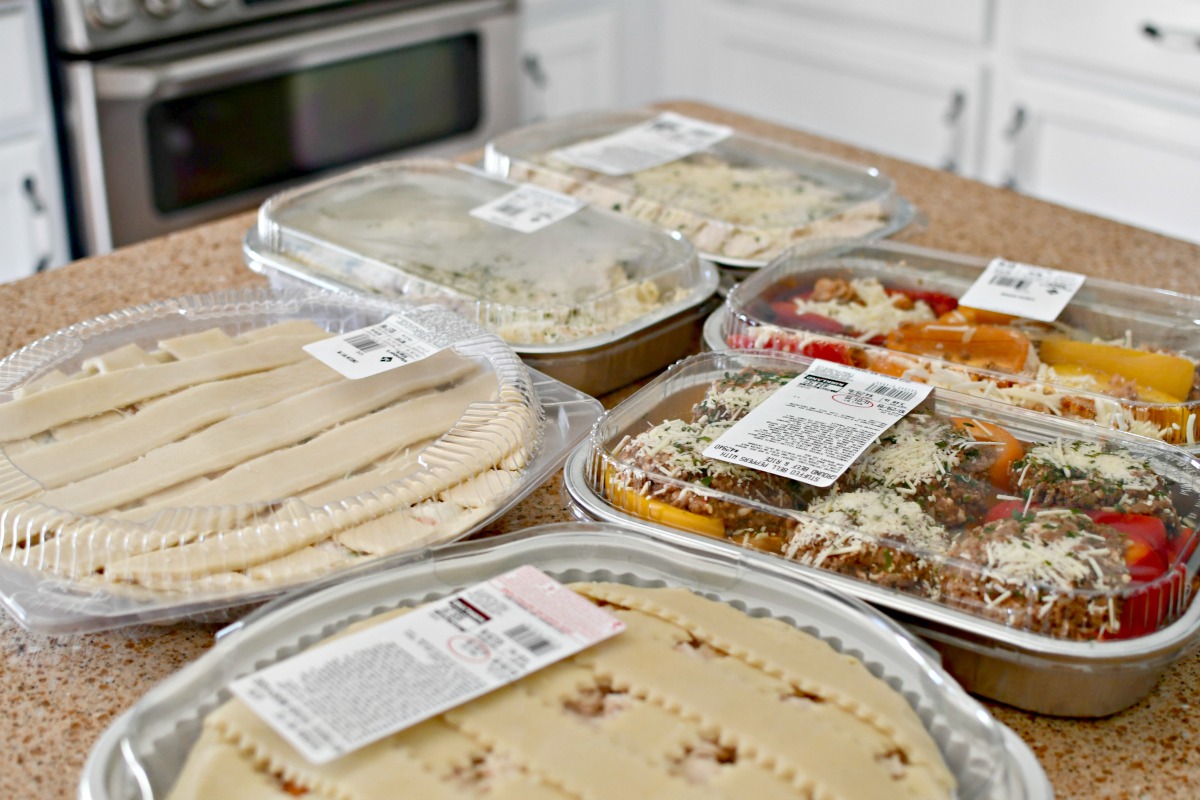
x=58, y=693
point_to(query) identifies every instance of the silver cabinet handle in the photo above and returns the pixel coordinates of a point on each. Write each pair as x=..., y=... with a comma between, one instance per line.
x=531, y=65
x=1174, y=38
x=39, y=222
x=953, y=119
x=1012, y=134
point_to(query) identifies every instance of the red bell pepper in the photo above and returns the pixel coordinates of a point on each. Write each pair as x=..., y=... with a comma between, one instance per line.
x=1141, y=529
x=785, y=314
x=1006, y=509
x=938, y=302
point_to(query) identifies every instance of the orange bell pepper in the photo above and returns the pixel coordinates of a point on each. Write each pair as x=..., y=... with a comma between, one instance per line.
x=985, y=346
x=965, y=315
x=1010, y=448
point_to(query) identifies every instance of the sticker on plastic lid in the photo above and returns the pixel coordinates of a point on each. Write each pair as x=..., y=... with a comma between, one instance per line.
x=665, y=138
x=400, y=339
x=814, y=427
x=528, y=208
x=344, y=695
x=1023, y=290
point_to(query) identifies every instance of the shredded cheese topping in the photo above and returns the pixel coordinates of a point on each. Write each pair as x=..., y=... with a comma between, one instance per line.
x=1041, y=553
x=1079, y=459
x=874, y=313
x=916, y=450
x=842, y=519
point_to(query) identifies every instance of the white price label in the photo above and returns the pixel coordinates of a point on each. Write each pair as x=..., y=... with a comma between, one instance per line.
x=339, y=697
x=665, y=138
x=400, y=339
x=528, y=208
x=1023, y=290
x=814, y=427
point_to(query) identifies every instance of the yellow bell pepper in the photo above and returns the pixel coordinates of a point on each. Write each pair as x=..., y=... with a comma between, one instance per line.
x=1168, y=374
x=1099, y=381
x=639, y=505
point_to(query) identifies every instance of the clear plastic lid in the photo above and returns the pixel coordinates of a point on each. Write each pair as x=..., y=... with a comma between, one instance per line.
x=190, y=455
x=741, y=200
x=602, y=731
x=405, y=229
x=1120, y=356
x=1039, y=524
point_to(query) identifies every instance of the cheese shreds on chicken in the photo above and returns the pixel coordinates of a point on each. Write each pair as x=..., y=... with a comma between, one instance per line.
x=872, y=311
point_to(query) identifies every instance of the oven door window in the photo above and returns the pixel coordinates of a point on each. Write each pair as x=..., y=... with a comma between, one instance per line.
x=259, y=133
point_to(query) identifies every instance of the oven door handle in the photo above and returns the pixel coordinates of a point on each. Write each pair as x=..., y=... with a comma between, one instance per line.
x=288, y=53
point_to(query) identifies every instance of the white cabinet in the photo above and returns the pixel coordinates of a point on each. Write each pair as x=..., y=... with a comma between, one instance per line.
x=1100, y=152
x=1093, y=104
x=32, y=221
x=1099, y=109
x=920, y=101
x=26, y=229
x=580, y=55
x=568, y=58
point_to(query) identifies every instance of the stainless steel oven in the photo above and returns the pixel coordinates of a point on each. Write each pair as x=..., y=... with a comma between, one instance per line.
x=180, y=111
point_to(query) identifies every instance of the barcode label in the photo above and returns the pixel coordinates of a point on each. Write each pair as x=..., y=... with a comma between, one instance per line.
x=363, y=343
x=888, y=390
x=1022, y=290
x=813, y=428
x=527, y=209
x=661, y=140
x=398, y=340
x=1009, y=282
x=530, y=639
x=331, y=700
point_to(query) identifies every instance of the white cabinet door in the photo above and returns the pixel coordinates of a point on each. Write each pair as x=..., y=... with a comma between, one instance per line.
x=569, y=63
x=20, y=80
x=1111, y=156
x=896, y=100
x=25, y=228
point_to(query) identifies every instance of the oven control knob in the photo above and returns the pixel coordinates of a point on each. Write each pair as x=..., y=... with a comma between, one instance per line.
x=209, y=3
x=162, y=8
x=108, y=13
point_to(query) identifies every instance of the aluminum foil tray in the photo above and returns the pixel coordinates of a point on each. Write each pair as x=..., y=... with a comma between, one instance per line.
x=140, y=755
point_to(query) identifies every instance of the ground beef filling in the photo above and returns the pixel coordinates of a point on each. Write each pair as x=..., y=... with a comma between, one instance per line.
x=1052, y=571
x=929, y=461
x=675, y=448
x=1084, y=475
x=876, y=536
x=734, y=395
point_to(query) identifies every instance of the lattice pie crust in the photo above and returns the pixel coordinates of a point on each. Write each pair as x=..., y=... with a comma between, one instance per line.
x=694, y=700
x=220, y=462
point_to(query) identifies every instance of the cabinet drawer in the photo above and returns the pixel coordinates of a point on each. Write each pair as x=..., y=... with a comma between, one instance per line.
x=960, y=20
x=1113, y=36
x=913, y=105
x=1107, y=155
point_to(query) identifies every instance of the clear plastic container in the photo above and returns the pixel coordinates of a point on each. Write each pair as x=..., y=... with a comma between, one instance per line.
x=741, y=201
x=141, y=754
x=1070, y=368
x=184, y=457
x=404, y=229
x=1091, y=573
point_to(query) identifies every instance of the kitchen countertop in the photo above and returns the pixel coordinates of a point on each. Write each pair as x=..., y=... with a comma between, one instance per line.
x=58, y=693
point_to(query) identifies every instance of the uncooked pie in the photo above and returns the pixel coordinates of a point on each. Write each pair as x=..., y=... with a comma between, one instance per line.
x=695, y=699
x=219, y=461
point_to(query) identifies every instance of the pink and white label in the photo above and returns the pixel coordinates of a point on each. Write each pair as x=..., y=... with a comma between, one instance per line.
x=344, y=695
